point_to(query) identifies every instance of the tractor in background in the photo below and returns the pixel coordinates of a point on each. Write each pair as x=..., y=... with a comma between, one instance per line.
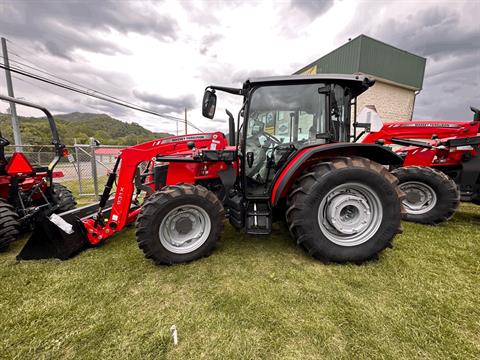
x=288, y=158
x=441, y=165
x=26, y=190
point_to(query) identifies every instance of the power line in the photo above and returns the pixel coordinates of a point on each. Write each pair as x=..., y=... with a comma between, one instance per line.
x=39, y=69
x=50, y=90
x=72, y=82
x=44, y=71
x=92, y=90
x=100, y=97
x=28, y=51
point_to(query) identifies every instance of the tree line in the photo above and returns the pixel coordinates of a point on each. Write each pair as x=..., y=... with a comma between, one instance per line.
x=79, y=128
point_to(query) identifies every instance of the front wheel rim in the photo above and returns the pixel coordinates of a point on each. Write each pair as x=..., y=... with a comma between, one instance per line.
x=185, y=229
x=350, y=214
x=420, y=198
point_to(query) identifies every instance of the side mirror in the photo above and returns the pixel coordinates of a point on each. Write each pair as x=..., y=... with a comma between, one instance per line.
x=231, y=128
x=209, y=104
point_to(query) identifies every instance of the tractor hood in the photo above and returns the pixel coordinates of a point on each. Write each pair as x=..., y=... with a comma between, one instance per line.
x=192, y=137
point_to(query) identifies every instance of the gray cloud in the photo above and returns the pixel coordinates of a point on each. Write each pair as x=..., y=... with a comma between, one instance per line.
x=312, y=8
x=61, y=100
x=440, y=32
x=451, y=46
x=435, y=32
x=60, y=27
x=240, y=76
x=109, y=108
x=208, y=41
x=300, y=14
x=164, y=104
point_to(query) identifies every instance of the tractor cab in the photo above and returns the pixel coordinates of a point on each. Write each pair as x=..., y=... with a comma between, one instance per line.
x=283, y=115
x=285, y=125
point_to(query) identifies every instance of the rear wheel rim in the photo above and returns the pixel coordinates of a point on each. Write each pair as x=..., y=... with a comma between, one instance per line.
x=420, y=198
x=184, y=229
x=350, y=214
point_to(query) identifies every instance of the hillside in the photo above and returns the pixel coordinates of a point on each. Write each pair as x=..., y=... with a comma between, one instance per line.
x=80, y=127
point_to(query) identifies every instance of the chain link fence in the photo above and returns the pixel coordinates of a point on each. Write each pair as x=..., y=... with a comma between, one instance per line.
x=84, y=171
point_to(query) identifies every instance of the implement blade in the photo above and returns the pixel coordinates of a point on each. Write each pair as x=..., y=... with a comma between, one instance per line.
x=49, y=241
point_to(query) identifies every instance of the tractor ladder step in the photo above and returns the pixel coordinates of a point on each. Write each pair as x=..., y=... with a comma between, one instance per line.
x=258, y=217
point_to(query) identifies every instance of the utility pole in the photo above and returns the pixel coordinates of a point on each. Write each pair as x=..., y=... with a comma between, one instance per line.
x=13, y=110
x=186, y=121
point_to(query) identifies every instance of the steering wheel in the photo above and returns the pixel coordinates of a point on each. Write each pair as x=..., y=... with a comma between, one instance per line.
x=259, y=151
x=272, y=138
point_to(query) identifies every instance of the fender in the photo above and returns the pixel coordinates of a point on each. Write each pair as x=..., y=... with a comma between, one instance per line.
x=307, y=156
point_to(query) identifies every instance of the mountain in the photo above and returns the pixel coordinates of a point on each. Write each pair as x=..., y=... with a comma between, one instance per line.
x=79, y=127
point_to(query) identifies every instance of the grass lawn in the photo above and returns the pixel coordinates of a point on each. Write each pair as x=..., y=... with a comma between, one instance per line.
x=254, y=298
x=88, y=188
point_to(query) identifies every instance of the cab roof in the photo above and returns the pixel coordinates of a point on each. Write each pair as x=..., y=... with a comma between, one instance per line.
x=310, y=78
x=357, y=82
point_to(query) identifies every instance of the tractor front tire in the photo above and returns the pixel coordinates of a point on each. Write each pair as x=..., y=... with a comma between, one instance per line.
x=345, y=210
x=431, y=196
x=179, y=224
x=9, y=225
x=63, y=197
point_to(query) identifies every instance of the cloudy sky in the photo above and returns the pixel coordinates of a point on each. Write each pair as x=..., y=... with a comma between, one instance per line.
x=161, y=54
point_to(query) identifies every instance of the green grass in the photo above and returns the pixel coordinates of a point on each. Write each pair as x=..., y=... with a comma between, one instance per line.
x=87, y=188
x=254, y=298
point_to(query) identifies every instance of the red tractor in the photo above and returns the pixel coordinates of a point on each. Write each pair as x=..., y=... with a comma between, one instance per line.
x=289, y=158
x=437, y=172
x=27, y=191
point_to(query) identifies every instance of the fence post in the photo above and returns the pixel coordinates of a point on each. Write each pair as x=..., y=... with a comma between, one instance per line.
x=93, y=144
x=79, y=167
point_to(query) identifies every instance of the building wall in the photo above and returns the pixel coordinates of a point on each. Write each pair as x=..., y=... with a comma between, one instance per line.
x=393, y=103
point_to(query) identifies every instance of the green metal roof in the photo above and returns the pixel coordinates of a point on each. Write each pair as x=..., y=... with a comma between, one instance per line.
x=369, y=56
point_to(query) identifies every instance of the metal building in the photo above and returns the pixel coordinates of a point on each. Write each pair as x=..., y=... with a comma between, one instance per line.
x=399, y=74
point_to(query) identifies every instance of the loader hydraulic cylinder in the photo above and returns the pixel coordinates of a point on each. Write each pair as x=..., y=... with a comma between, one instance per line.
x=109, y=185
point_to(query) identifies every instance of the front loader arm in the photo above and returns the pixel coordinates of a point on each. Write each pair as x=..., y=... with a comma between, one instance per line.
x=421, y=130
x=64, y=235
x=122, y=211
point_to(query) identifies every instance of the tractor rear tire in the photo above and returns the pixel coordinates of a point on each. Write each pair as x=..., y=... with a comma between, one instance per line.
x=63, y=197
x=9, y=225
x=179, y=224
x=345, y=210
x=431, y=196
